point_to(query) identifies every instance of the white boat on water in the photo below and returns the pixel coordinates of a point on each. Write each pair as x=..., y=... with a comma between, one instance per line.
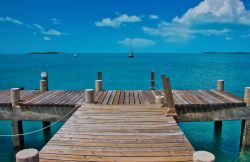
x=131, y=54
x=75, y=55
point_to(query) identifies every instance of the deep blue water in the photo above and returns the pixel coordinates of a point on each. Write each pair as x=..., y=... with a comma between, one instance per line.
x=186, y=71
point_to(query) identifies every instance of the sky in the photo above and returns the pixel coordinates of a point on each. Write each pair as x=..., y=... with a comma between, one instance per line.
x=103, y=26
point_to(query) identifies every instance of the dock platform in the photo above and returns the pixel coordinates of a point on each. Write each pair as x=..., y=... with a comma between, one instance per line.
x=118, y=133
x=71, y=98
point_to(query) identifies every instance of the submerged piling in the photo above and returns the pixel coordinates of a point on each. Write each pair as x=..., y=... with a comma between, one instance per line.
x=217, y=125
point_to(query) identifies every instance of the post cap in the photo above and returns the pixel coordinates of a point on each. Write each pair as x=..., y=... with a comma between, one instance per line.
x=15, y=89
x=203, y=156
x=43, y=80
x=26, y=153
x=88, y=90
x=44, y=74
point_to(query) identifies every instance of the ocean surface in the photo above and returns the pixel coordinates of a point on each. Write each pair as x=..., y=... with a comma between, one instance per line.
x=186, y=71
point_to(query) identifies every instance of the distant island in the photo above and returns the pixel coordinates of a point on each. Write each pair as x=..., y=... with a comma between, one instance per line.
x=45, y=53
x=226, y=52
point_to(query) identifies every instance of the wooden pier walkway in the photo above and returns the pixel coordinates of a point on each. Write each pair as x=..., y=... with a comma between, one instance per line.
x=182, y=98
x=121, y=125
x=118, y=133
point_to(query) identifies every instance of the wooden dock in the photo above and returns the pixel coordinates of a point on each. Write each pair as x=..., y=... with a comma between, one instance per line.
x=118, y=133
x=71, y=98
x=121, y=125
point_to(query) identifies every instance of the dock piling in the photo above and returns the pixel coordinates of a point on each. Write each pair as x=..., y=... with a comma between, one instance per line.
x=247, y=96
x=217, y=125
x=43, y=85
x=18, y=140
x=245, y=127
x=46, y=124
x=168, y=91
x=27, y=155
x=44, y=76
x=98, y=85
x=203, y=156
x=152, y=81
x=15, y=96
x=89, y=96
x=220, y=85
x=99, y=75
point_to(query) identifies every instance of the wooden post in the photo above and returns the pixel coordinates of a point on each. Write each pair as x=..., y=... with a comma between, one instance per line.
x=46, y=124
x=242, y=133
x=247, y=96
x=89, y=96
x=99, y=75
x=27, y=155
x=98, y=85
x=15, y=96
x=220, y=85
x=168, y=91
x=203, y=156
x=217, y=125
x=245, y=127
x=152, y=81
x=43, y=86
x=18, y=140
x=45, y=76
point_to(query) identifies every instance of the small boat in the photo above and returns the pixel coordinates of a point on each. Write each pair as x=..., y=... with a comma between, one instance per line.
x=131, y=54
x=75, y=55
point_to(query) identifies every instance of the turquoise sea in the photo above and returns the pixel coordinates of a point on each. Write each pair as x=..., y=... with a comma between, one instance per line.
x=186, y=71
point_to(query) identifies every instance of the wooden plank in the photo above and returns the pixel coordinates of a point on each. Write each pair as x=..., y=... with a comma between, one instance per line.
x=112, y=97
x=117, y=97
x=136, y=96
x=101, y=99
x=131, y=98
x=126, y=101
x=106, y=99
x=122, y=98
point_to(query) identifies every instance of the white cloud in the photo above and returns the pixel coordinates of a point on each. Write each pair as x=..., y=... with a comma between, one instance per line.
x=176, y=32
x=139, y=42
x=52, y=32
x=209, y=17
x=47, y=38
x=216, y=11
x=55, y=21
x=38, y=26
x=11, y=20
x=153, y=17
x=117, y=21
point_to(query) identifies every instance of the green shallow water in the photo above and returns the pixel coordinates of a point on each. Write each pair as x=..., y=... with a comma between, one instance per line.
x=187, y=71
